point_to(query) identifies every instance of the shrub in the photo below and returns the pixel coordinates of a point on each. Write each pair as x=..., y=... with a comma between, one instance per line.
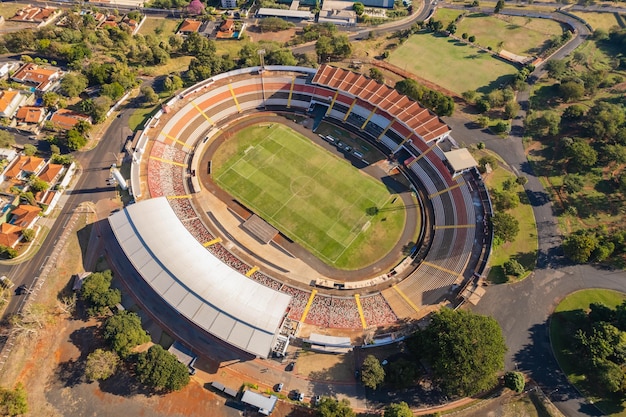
x=512, y=267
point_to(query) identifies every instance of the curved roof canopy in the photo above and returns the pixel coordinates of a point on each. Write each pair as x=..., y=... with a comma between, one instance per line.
x=200, y=286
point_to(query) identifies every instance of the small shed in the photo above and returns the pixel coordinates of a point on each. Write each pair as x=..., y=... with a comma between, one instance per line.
x=460, y=160
x=264, y=404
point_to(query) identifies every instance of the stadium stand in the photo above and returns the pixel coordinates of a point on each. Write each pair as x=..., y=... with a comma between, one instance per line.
x=388, y=119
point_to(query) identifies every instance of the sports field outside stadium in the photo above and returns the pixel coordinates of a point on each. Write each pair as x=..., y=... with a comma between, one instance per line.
x=314, y=197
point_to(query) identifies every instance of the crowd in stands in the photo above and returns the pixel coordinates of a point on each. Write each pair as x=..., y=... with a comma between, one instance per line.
x=377, y=311
x=183, y=209
x=298, y=302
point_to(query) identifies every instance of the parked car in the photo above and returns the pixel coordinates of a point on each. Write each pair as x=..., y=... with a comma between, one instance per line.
x=279, y=387
x=316, y=400
x=290, y=366
x=6, y=282
x=22, y=289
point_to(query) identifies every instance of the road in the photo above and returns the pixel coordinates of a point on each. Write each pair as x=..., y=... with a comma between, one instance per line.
x=91, y=186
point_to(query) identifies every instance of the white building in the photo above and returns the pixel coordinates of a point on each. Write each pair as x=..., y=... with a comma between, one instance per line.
x=229, y=4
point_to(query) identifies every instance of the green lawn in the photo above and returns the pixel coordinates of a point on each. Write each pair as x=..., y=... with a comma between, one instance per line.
x=524, y=248
x=563, y=324
x=314, y=197
x=451, y=64
x=522, y=36
x=446, y=16
x=603, y=21
x=159, y=27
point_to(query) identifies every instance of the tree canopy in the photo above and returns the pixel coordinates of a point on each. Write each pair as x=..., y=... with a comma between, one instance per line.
x=331, y=407
x=160, y=369
x=98, y=294
x=123, y=331
x=372, y=372
x=101, y=364
x=7, y=139
x=465, y=351
x=398, y=410
x=439, y=103
x=505, y=227
x=13, y=402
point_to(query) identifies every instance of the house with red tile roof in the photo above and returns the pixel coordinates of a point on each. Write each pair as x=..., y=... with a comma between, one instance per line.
x=41, y=78
x=24, y=215
x=189, y=26
x=30, y=115
x=10, y=234
x=34, y=14
x=10, y=101
x=24, y=166
x=50, y=173
x=67, y=119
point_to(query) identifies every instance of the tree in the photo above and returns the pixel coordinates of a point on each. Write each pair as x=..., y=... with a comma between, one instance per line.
x=581, y=154
x=37, y=184
x=471, y=38
x=149, y=94
x=401, y=373
x=465, y=350
x=513, y=267
x=75, y=140
x=331, y=407
x=579, y=246
x=358, y=8
x=571, y=90
x=505, y=227
x=172, y=83
x=160, y=369
x=398, y=410
x=13, y=402
x=573, y=183
x=511, y=109
x=114, y=90
x=499, y=6
x=274, y=24
x=372, y=372
x=73, y=84
x=377, y=75
x=556, y=68
x=29, y=149
x=124, y=332
x=7, y=139
x=451, y=28
x=101, y=364
x=28, y=234
x=98, y=294
x=514, y=381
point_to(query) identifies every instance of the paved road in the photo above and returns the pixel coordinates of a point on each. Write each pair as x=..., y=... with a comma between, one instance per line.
x=91, y=186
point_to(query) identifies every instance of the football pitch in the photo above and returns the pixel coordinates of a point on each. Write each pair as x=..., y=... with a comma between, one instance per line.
x=314, y=197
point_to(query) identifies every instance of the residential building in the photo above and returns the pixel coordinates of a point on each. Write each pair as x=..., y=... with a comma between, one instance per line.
x=41, y=78
x=67, y=119
x=10, y=101
x=30, y=115
x=188, y=26
x=50, y=173
x=10, y=234
x=34, y=14
x=299, y=15
x=24, y=166
x=229, y=4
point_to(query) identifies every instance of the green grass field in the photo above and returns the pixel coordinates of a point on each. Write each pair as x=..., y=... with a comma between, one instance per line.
x=563, y=325
x=603, y=21
x=451, y=64
x=520, y=35
x=524, y=248
x=315, y=198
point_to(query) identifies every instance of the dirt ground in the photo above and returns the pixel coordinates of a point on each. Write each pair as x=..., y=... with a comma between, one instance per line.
x=283, y=36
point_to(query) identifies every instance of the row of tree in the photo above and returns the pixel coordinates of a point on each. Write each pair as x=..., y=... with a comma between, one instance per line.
x=123, y=332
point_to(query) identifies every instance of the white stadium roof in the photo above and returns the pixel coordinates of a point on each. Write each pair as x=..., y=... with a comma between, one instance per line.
x=215, y=297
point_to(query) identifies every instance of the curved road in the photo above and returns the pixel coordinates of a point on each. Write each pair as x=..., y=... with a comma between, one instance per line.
x=523, y=309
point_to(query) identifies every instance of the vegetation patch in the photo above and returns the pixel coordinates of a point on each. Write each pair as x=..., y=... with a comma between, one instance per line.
x=452, y=64
x=604, y=21
x=523, y=249
x=524, y=36
x=587, y=332
x=320, y=201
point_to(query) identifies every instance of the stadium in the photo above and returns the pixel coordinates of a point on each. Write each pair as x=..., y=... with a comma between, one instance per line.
x=215, y=258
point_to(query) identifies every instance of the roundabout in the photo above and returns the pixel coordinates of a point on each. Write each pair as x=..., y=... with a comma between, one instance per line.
x=445, y=241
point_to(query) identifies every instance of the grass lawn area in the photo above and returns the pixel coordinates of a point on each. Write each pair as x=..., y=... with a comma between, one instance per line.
x=140, y=116
x=446, y=16
x=563, y=324
x=598, y=20
x=159, y=27
x=316, y=198
x=524, y=248
x=8, y=9
x=451, y=64
x=522, y=36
